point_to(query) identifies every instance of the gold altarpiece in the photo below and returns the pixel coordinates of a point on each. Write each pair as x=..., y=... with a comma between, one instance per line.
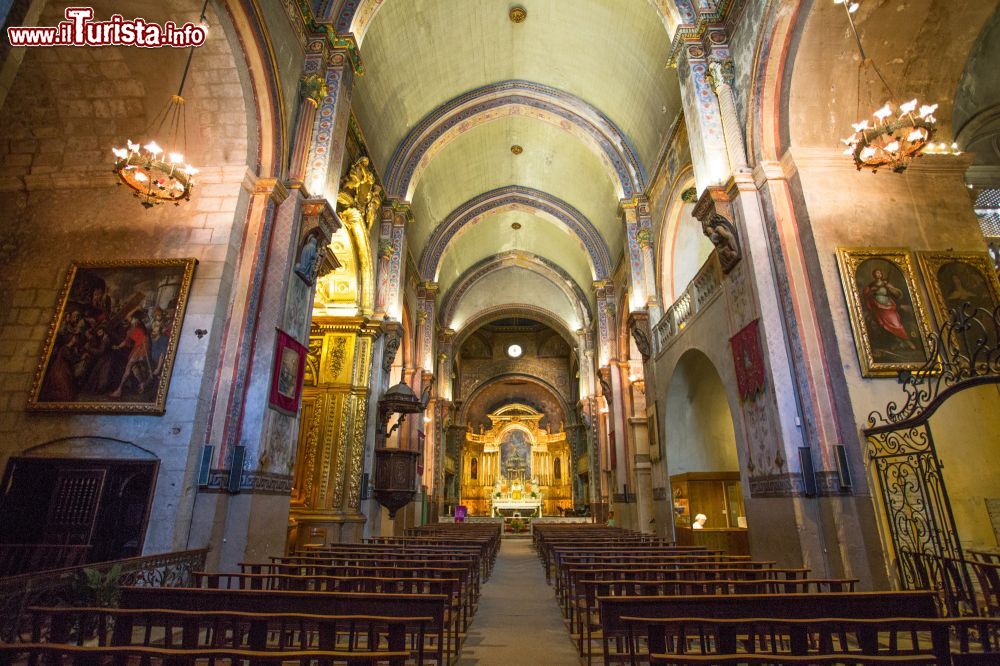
x=325, y=506
x=326, y=491
x=516, y=458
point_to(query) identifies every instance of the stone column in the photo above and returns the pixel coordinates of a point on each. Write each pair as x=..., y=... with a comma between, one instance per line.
x=312, y=91
x=251, y=445
x=628, y=212
x=638, y=425
x=720, y=76
x=326, y=154
x=391, y=259
x=701, y=113
x=446, y=343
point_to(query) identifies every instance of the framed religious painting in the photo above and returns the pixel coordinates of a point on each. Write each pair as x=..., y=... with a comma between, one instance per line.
x=113, y=338
x=888, y=318
x=286, y=378
x=961, y=279
x=653, y=432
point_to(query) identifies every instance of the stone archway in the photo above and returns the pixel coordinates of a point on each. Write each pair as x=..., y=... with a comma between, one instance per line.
x=701, y=454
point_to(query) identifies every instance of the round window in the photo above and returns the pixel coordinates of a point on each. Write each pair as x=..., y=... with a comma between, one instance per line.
x=514, y=351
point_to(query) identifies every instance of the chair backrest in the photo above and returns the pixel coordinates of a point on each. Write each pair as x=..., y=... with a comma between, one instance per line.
x=51, y=653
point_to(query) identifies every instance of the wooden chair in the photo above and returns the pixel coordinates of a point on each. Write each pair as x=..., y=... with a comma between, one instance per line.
x=988, y=575
x=434, y=606
x=229, y=630
x=781, y=660
x=973, y=640
x=859, y=605
x=64, y=655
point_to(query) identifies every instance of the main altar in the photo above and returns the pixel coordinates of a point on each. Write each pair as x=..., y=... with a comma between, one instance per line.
x=516, y=468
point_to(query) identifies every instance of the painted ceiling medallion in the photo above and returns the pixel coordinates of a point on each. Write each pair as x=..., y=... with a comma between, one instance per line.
x=516, y=149
x=518, y=14
x=515, y=226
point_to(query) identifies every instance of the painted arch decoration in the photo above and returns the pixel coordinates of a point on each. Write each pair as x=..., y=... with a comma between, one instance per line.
x=540, y=265
x=497, y=100
x=355, y=16
x=511, y=198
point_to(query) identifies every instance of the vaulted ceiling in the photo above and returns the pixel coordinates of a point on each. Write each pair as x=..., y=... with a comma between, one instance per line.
x=451, y=85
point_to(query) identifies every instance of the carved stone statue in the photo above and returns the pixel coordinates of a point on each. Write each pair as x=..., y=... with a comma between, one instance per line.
x=723, y=236
x=309, y=261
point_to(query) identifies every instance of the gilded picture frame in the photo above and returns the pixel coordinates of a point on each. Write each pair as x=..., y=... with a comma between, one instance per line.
x=653, y=432
x=888, y=318
x=953, y=278
x=113, y=339
x=288, y=374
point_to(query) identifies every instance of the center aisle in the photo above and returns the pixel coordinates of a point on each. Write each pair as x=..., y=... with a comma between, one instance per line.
x=518, y=621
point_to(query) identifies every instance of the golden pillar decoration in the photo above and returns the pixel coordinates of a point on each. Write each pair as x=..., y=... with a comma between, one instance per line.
x=327, y=483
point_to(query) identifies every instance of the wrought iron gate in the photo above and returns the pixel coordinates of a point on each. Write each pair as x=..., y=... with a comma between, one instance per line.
x=904, y=461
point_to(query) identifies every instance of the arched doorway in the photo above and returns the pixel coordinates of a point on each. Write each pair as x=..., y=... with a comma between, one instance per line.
x=702, y=461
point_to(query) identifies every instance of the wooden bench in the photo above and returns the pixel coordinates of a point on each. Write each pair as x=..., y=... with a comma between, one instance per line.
x=572, y=594
x=560, y=556
x=859, y=605
x=61, y=655
x=588, y=616
x=313, y=603
x=965, y=641
x=454, y=615
x=403, y=561
x=227, y=630
x=649, y=562
x=788, y=660
x=469, y=600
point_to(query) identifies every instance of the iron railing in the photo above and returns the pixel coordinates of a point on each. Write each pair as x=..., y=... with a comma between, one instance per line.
x=62, y=587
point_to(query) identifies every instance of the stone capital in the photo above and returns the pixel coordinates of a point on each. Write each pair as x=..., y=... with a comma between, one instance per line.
x=721, y=71
x=273, y=188
x=312, y=89
x=428, y=290
x=317, y=213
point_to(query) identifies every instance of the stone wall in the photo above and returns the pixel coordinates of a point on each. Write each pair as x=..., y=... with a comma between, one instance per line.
x=59, y=203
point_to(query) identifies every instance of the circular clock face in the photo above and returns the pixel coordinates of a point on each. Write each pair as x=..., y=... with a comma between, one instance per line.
x=514, y=351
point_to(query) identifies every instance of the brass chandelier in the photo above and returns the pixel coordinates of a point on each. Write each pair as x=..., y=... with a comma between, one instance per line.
x=898, y=133
x=154, y=174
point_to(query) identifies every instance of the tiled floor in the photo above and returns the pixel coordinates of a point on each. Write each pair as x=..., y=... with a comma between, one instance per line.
x=518, y=622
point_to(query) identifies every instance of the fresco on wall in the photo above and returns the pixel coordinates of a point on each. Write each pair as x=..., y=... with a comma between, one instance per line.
x=112, y=341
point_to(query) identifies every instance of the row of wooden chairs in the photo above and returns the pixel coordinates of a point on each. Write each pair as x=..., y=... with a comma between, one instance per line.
x=644, y=601
x=386, y=603
x=66, y=655
x=955, y=641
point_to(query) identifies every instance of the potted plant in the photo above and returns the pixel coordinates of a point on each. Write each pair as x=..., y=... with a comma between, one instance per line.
x=92, y=588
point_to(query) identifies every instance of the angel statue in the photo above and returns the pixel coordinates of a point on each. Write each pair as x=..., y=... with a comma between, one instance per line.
x=360, y=197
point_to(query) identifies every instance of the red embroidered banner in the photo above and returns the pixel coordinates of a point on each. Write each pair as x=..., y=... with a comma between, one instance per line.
x=748, y=360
